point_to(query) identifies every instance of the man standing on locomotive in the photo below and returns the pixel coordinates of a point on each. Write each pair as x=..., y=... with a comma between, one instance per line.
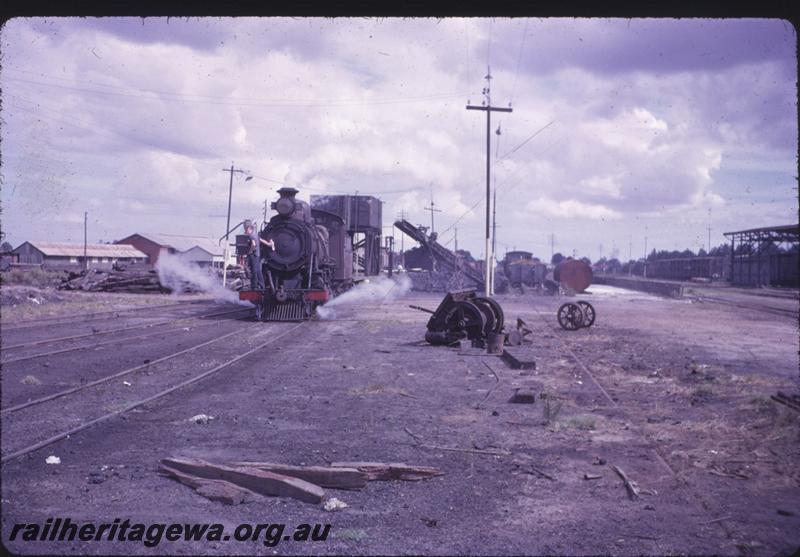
x=254, y=255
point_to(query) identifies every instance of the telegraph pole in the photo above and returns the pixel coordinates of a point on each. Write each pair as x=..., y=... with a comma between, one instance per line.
x=85, y=221
x=228, y=225
x=488, y=108
x=432, y=210
x=494, y=236
x=402, y=216
x=265, y=210
x=644, y=272
x=456, y=237
x=630, y=254
x=709, y=231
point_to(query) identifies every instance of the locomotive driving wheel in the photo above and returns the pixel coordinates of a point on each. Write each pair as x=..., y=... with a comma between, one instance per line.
x=570, y=316
x=465, y=316
x=588, y=313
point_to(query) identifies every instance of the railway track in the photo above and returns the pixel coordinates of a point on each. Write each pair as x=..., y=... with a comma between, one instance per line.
x=92, y=316
x=620, y=410
x=20, y=423
x=95, y=334
x=92, y=346
x=752, y=306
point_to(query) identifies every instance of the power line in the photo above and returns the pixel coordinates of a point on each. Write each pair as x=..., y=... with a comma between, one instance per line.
x=322, y=190
x=230, y=101
x=489, y=45
x=518, y=147
x=519, y=59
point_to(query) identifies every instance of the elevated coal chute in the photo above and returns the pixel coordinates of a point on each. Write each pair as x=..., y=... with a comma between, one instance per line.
x=449, y=270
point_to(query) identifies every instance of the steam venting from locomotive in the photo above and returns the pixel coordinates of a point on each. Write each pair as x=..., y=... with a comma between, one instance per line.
x=378, y=291
x=177, y=273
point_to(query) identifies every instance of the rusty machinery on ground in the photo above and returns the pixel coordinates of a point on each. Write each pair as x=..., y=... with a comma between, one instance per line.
x=573, y=316
x=318, y=253
x=464, y=315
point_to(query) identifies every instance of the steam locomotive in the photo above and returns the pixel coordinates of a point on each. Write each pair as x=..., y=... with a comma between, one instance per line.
x=316, y=255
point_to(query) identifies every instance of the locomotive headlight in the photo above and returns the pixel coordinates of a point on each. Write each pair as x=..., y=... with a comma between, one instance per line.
x=284, y=206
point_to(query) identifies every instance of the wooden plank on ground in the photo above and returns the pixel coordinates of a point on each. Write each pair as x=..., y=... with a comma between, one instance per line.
x=323, y=476
x=216, y=490
x=258, y=481
x=383, y=471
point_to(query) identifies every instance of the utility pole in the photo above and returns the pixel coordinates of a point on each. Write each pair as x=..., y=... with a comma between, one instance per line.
x=265, y=210
x=494, y=236
x=630, y=255
x=456, y=238
x=228, y=224
x=85, y=224
x=552, y=245
x=644, y=272
x=402, y=216
x=709, y=231
x=488, y=108
x=432, y=210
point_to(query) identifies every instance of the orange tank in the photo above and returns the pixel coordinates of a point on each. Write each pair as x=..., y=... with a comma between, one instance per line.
x=573, y=274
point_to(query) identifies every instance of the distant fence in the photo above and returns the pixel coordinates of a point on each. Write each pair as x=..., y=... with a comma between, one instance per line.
x=687, y=268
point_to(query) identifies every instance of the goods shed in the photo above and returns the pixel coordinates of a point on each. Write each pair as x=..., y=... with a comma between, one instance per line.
x=60, y=255
x=196, y=249
x=767, y=256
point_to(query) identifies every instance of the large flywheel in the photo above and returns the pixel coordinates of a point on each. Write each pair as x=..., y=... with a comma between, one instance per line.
x=465, y=316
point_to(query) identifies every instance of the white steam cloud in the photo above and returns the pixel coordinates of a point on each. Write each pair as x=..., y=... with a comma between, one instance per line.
x=176, y=273
x=380, y=290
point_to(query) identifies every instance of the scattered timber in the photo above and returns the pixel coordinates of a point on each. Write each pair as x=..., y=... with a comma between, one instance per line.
x=253, y=479
x=323, y=476
x=633, y=491
x=382, y=471
x=215, y=490
x=96, y=280
x=237, y=482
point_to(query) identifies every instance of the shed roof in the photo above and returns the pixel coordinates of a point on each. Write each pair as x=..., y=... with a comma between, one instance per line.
x=63, y=249
x=183, y=243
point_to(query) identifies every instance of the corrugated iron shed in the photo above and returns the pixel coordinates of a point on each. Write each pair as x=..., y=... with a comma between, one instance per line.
x=62, y=249
x=184, y=243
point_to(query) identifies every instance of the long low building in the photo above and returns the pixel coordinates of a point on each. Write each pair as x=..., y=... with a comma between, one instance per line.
x=63, y=255
x=196, y=249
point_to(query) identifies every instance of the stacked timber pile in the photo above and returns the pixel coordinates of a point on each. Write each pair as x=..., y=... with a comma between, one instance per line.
x=97, y=280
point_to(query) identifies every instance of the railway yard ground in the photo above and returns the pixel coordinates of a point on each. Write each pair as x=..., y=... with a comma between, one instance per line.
x=676, y=394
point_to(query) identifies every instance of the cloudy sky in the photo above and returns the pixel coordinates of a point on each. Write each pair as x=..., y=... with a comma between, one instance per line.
x=621, y=128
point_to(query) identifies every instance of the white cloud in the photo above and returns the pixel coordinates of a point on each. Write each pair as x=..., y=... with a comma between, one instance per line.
x=571, y=209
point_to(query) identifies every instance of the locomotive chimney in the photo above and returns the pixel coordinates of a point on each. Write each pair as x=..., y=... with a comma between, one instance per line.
x=286, y=203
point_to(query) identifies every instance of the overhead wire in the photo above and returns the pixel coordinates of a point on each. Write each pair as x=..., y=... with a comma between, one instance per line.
x=143, y=94
x=515, y=149
x=519, y=59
